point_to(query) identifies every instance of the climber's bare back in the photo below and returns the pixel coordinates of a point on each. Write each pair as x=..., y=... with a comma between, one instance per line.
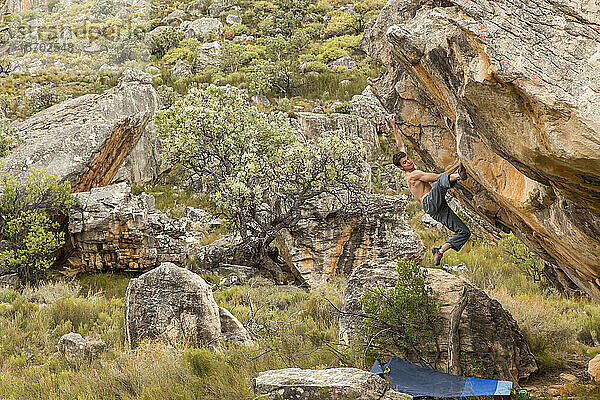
x=417, y=187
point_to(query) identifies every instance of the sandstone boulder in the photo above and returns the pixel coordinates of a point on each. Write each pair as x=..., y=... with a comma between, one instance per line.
x=594, y=368
x=181, y=70
x=76, y=349
x=87, y=139
x=367, y=105
x=513, y=90
x=326, y=384
x=314, y=125
x=328, y=242
x=489, y=341
x=111, y=229
x=208, y=55
x=172, y=304
x=202, y=28
x=232, y=330
x=176, y=305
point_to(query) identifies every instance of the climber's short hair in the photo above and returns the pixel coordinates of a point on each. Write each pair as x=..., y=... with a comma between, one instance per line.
x=397, y=157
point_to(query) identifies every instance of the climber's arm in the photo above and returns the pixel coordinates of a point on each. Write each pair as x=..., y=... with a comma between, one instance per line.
x=453, y=167
x=399, y=141
x=424, y=176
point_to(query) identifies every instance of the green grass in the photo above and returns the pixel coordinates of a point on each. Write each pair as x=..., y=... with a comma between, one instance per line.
x=111, y=285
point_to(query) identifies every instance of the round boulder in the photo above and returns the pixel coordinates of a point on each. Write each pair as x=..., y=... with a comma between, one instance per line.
x=487, y=338
x=172, y=304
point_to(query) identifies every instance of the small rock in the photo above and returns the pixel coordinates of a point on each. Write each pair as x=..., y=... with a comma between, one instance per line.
x=10, y=281
x=182, y=70
x=174, y=18
x=345, y=61
x=345, y=82
x=235, y=274
x=568, y=377
x=94, y=48
x=233, y=19
x=200, y=217
x=553, y=392
x=108, y=69
x=310, y=18
x=244, y=39
x=153, y=70
x=76, y=349
x=261, y=100
x=197, y=8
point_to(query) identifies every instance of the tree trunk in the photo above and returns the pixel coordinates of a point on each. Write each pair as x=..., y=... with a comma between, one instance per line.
x=453, y=336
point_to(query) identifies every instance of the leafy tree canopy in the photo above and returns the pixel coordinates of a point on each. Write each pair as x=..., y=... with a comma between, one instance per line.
x=256, y=170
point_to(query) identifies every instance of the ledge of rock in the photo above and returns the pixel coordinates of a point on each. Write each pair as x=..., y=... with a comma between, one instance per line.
x=326, y=384
x=314, y=125
x=328, y=242
x=86, y=140
x=111, y=229
x=512, y=89
x=491, y=345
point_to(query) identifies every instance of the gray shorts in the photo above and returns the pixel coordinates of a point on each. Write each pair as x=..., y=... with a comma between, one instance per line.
x=435, y=205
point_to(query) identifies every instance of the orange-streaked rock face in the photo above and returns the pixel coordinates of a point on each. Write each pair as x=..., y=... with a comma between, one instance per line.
x=518, y=101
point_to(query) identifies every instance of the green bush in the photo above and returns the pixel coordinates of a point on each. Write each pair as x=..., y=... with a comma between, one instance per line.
x=404, y=320
x=41, y=97
x=102, y=8
x=9, y=137
x=342, y=108
x=200, y=361
x=28, y=234
x=164, y=40
x=81, y=313
x=167, y=95
x=126, y=47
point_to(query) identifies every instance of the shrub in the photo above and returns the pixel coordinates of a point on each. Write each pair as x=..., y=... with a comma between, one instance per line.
x=27, y=231
x=126, y=47
x=200, y=361
x=9, y=137
x=403, y=320
x=41, y=97
x=102, y=8
x=167, y=95
x=162, y=41
x=81, y=313
x=342, y=108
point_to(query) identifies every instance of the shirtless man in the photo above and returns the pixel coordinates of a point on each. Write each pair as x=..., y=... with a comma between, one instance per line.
x=433, y=199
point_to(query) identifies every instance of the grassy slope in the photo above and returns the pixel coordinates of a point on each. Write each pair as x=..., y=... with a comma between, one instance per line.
x=292, y=329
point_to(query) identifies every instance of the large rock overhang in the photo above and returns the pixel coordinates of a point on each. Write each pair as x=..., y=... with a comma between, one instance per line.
x=513, y=90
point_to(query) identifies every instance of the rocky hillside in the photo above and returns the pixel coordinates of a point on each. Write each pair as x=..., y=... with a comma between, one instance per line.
x=513, y=91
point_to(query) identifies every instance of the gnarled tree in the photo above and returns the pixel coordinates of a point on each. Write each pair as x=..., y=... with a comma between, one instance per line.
x=255, y=168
